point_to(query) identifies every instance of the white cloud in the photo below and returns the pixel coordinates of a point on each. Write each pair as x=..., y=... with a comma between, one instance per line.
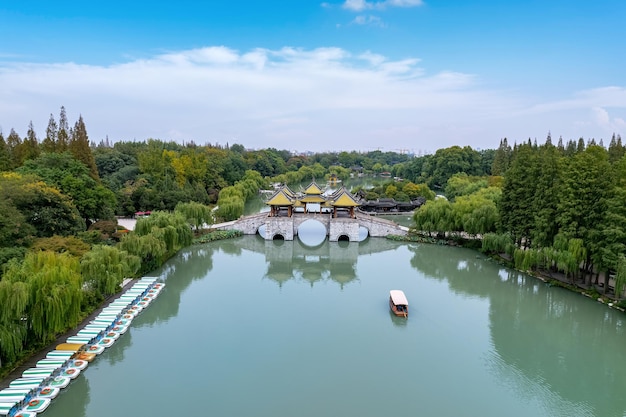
x=360, y=5
x=368, y=20
x=292, y=98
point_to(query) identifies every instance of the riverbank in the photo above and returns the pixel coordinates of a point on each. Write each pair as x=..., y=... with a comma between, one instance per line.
x=31, y=360
x=592, y=291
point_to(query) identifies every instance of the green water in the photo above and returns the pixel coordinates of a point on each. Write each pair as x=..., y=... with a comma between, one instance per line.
x=247, y=327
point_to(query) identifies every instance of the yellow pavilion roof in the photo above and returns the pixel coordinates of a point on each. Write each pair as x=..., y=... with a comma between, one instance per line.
x=313, y=189
x=342, y=198
x=280, y=198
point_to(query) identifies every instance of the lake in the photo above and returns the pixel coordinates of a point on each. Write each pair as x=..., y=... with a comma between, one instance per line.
x=248, y=327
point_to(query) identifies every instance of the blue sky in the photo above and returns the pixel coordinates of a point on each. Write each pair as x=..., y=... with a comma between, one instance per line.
x=308, y=75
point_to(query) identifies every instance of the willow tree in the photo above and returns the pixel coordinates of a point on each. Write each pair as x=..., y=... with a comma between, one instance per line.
x=14, y=297
x=55, y=292
x=435, y=216
x=171, y=228
x=197, y=214
x=620, y=277
x=105, y=267
x=148, y=248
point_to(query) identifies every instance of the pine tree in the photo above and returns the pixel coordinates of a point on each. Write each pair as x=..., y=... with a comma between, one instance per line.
x=560, y=145
x=30, y=146
x=14, y=147
x=63, y=135
x=616, y=149
x=502, y=158
x=79, y=147
x=5, y=158
x=546, y=197
x=518, y=193
x=49, y=144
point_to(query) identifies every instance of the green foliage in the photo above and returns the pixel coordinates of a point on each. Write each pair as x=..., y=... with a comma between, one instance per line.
x=218, y=235
x=170, y=228
x=8, y=253
x=105, y=267
x=391, y=191
x=496, y=243
x=434, y=216
x=418, y=190
x=45, y=208
x=14, y=230
x=371, y=196
x=47, y=291
x=232, y=200
x=148, y=248
x=62, y=244
x=74, y=179
x=197, y=214
x=461, y=184
x=620, y=276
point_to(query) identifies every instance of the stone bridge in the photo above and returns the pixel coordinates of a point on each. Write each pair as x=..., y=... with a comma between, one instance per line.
x=339, y=228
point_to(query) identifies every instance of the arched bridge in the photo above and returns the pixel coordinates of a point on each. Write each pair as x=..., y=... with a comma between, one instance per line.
x=339, y=228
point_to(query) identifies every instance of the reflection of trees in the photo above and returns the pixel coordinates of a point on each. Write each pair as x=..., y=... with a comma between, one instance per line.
x=192, y=263
x=540, y=334
x=115, y=353
x=75, y=404
x=538, y=331
x=458, y=266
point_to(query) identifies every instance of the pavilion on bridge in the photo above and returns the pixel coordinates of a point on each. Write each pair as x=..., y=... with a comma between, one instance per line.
x=285, y=202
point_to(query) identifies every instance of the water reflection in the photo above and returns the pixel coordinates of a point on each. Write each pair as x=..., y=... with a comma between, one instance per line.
x=498, y=342
x=538, y=334
x=74, y=399
x=398, y=321
x=294, y=260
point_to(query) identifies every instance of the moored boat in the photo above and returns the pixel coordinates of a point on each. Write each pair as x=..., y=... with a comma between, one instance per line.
x=398, y=303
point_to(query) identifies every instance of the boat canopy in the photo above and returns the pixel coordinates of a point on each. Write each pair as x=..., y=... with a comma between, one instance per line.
x=398, y=297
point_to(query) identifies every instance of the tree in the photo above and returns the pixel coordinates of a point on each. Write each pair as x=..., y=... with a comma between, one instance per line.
x=30, y=146
x=545, y=201
x=5, y=157
x=49, y=211
x=14, y=230
x=149, y=248
x=477, y=213
x=197, y=214
x=63, y=134
x=93, y=200
x=15, y=149
x=435, y=216
x=609, y=236
x=49, y=143
x=170, y=228
x=518, y=191
x=105, y=267
x=79, y=147
x=54, y=286
x=616, y=149
x=502, y=158
x=583, y=195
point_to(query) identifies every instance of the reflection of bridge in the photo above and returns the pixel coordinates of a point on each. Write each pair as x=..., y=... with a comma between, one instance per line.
x=337, y=228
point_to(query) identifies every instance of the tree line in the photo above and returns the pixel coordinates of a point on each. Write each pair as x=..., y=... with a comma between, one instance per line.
x=559, y=209
x=556, y=207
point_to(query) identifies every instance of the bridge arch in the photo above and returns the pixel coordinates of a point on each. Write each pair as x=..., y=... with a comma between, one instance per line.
x=311, y=231
x=335, y=227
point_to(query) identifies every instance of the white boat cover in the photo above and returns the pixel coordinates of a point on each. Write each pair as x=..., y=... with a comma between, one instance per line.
x=398, y=297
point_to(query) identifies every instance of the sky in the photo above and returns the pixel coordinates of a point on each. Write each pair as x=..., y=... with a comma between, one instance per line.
x=408, y=76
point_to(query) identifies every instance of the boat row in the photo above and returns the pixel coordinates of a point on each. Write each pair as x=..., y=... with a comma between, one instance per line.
x=38, y=386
